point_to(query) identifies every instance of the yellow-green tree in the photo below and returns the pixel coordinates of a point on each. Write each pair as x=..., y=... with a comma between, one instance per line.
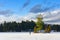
x=39, y=23
x=48, y=29
x=35, y=29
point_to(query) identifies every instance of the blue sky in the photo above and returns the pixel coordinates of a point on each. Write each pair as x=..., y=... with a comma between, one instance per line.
x=17, y=5
x=18, y=10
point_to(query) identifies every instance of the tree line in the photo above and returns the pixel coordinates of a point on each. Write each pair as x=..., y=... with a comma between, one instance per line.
x=54, y=27
x=17, y=27
x=24, y=26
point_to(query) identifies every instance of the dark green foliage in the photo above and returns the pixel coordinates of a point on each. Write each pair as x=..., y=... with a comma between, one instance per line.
x=17, y=27
x=24, y=26
x=56, y=28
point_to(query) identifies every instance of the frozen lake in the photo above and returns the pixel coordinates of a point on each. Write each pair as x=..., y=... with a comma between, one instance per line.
x=27, y=36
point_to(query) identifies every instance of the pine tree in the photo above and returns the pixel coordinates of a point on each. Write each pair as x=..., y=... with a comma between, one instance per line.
x=39, y=23
x=35, y=31
x=48, y=29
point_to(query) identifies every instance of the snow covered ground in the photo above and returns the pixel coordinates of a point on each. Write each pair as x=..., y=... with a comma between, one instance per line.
x=27, y=36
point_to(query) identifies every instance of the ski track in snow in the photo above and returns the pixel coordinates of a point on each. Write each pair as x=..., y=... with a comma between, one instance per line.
x=27, y=36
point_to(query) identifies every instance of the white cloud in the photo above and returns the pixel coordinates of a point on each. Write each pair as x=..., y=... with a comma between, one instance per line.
x=52, y=17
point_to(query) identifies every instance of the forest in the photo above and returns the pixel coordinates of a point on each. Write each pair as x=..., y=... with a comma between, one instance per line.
x=17, y=27
x=24, y=26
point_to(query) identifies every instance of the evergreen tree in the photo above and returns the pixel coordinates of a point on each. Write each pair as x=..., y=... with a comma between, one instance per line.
x=39, y=23
x=48, y=29
x=35, y=29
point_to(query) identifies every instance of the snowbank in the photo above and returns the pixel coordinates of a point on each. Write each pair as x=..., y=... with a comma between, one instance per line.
x=27, y=36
